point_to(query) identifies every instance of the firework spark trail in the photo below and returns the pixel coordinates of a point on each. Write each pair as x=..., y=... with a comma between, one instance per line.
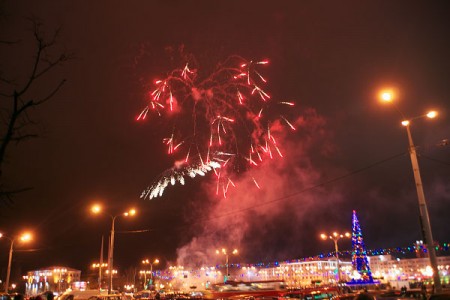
x=178, y=174
x=219, y=115
x=289, y=123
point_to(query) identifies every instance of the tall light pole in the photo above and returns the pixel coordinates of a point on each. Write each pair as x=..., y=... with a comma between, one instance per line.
x=335, y=237
x=25, y=237
x=225, y=252
x=149, y=262
x=96, y=209
x=388, y=96
x=100, y=267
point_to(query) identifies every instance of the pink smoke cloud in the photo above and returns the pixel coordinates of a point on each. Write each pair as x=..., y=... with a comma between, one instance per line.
x=250, y=218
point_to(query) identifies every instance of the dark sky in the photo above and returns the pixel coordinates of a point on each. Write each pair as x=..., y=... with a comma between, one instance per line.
x=329, y=57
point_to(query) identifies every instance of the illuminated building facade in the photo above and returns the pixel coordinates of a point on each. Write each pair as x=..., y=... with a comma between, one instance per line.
x=307, y=273
x=56, y=279
x=386, y=268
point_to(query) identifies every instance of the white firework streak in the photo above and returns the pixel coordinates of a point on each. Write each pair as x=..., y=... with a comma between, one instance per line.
x=177, y=174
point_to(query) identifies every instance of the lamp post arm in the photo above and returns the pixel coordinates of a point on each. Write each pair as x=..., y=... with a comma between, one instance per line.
x=424, y=217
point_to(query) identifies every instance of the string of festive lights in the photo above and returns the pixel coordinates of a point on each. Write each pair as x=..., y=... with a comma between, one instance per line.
x=408, y=250
x=442, y=247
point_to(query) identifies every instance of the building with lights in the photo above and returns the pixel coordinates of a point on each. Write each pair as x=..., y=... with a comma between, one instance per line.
x=307, y=273
x=389, y=269
x=56, y=279
x=295, y=274
x=385, y=268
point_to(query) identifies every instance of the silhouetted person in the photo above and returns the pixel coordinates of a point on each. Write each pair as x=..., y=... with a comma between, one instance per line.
x=364, y=296
x=18, y=297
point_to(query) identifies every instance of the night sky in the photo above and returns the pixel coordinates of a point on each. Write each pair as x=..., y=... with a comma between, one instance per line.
x=349, y=152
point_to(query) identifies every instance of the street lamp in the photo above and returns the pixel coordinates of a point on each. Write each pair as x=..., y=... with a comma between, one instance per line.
x=100, y=267
x=225, y=252
x=149, y=262
x=24, y=237
x=386, y=96
x=336, y=237
x=96, y=209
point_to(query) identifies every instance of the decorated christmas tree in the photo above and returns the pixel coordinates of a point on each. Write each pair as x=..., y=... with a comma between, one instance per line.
x=359, y=254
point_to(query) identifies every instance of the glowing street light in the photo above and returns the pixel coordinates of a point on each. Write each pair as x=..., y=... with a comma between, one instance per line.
x=424, y=217
x=149, y=262
x=24, y=237
x=335, y=237
x=97, y=209
x=224, y=252
x=387, y=95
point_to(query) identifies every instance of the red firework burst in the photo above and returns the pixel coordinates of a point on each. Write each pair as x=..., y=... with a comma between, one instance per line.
x=220, y=122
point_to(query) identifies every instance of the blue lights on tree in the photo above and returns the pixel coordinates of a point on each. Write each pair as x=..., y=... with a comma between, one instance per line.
x=359, y=254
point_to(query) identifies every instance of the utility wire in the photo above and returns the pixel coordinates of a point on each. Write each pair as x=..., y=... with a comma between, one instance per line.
x=134, y=231
x=436, y=160
x=351, y=173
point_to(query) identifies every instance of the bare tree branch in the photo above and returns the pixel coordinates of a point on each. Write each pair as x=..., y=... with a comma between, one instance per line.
x=18, y=124
x=51, y=94
x=7, y=195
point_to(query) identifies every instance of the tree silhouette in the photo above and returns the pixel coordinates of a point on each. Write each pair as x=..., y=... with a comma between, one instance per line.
x=18, y=96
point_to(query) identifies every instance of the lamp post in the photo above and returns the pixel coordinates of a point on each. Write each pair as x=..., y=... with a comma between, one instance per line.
x=335, y=237
x=96, y=209
x=100, y=267
x=387, y=96
x=25, y=237
x=149, y=262
x=225, y=252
